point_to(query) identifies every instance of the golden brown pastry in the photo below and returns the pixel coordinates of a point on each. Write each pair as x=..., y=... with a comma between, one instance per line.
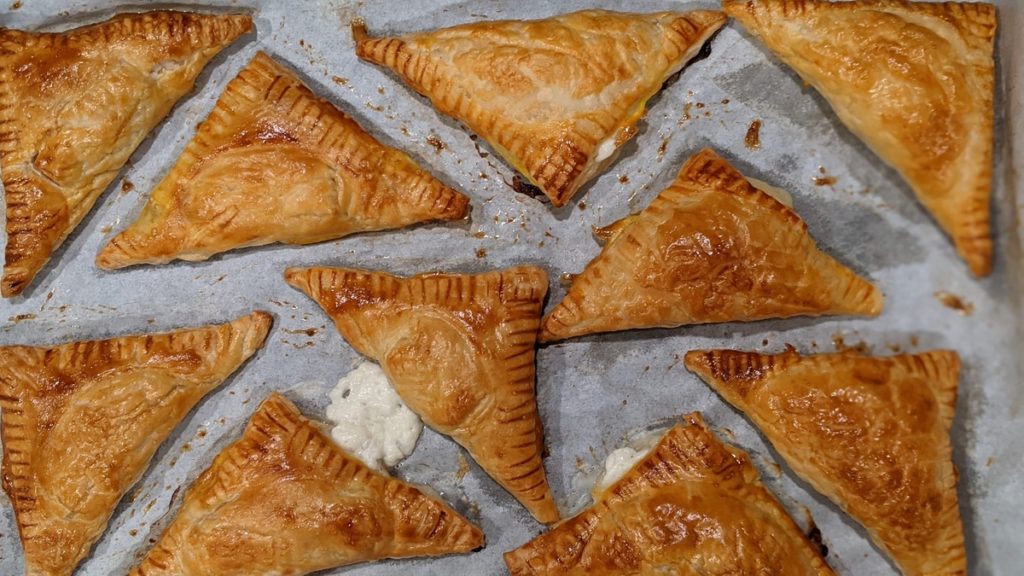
x=274, y=163
x=557, y=97
x=710, y=248
x=81, y=422
x=459, y=350
x=285, y=499
x=872, y=434
x=914, y=80
x=73, y=108
x=692, y=506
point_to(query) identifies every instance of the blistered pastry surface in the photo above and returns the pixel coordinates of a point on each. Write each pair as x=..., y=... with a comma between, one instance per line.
x=861, y=214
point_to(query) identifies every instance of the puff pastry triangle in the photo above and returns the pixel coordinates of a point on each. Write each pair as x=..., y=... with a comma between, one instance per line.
x=285, y=499
x=872, y=434
x=459, y=350
x=274, y=163
x=710, y=248
x=692, y=506
x=556, y=97
x=81, y=422
x=915, y=81
x=73, y=108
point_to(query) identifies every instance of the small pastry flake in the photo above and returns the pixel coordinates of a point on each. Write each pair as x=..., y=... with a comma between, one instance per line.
x=81, y=422
x=285, y=499
x=710, y=248
x=459, y=350
x=693, y=505
x=556, y=97
x=73, y=108
x=915, y=81
x=274, y=163
x=872, y=434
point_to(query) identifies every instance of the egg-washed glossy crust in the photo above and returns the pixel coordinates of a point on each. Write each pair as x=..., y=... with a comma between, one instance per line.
x=81, y=422
x=546, y=93
x=285, y=499
x=459, y=350
x=693, y=505
x=710, y=248
x=914, y=80
x=274, y=163
x=73, y=108
x=870, y=433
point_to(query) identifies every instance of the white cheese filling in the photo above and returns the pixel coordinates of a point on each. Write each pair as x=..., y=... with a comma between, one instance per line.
x=773, y=191
x=370, y=420
x=623, y=459
x=606, y=149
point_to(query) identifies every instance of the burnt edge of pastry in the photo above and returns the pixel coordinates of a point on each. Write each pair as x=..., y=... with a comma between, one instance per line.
x=34, y=230
x=557, y=174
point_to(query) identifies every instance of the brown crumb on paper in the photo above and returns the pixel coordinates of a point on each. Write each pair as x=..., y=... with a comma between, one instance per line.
x=841, y=346
x=519, y=184
x=339, y=80
x=753, y=138
x=686, y=112
x=623, y=179
x=824, y=180
x=481, y=253
x=662, y=149
x=127, y=186
x=436, y=142
x=16, y=6
x=463, y=468
x=952, y=301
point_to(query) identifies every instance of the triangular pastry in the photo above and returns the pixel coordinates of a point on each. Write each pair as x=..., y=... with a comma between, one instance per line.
x=73, y=108
x=872, y=434
x=81, y=422
x=693, y=505
x=710, y=248
x=285, y=499
x=914, y=81
x=558, y=97
x=274, y=163
x=459, y=350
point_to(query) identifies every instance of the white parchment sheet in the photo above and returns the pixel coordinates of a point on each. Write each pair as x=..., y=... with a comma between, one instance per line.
x=594, y=393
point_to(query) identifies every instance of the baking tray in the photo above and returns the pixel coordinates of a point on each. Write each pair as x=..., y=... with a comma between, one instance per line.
x=594, y=393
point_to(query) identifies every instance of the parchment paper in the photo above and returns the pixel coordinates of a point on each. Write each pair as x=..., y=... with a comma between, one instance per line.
x=594, y=393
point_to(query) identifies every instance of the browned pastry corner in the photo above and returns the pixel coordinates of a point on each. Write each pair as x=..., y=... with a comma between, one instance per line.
x=693, y=505
x=459, y=350
x=274, y=163
x=915, y=81
x=73, y=108
x=870, y=433
x=711, y=247
x=557, y=97
x=285, y=499
x=81, y=422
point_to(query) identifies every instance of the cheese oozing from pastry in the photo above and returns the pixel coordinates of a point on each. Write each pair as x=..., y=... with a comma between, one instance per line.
x=773, y=191
x=623, y=459
x=370, y=420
